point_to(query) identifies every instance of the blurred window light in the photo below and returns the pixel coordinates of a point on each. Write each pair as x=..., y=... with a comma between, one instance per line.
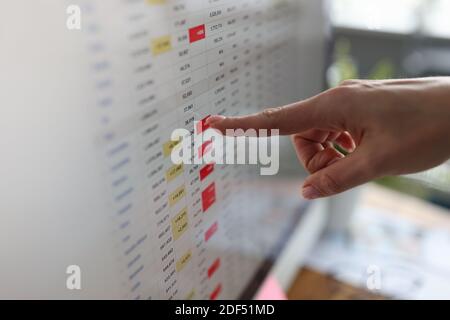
x=437, y=18
x=399, y=16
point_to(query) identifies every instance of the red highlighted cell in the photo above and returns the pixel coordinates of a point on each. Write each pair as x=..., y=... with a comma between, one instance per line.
x=205, y=148
x=211, y=231
x=216, y=292
x=213, y=268
x=208, y=196
x=206, y=171
x=197, y=33
x=202, y=126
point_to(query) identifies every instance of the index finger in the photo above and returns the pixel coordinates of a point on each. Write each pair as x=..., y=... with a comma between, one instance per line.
x=289, y=119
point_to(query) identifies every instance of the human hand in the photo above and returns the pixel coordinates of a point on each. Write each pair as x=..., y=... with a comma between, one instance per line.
x=388, y=127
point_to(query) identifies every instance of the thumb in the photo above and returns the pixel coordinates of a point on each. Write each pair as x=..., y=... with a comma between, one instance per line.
x=346, y=173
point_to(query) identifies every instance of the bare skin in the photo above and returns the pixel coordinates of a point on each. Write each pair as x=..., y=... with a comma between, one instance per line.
x=388, y=127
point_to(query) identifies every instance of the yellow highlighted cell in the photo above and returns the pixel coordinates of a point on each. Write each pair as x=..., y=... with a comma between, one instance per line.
x=169, y=146
x=161, y=45
x=180, y=224
x=177, y=195
x=190, y=295
x=174, y=172
x=156, y=2
x=183, y=261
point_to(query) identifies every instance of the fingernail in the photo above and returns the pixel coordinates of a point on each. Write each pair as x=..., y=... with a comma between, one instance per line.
x=309, y=192
x=214, y=119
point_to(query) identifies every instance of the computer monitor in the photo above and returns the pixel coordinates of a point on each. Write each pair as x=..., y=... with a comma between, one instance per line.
x=92, y=205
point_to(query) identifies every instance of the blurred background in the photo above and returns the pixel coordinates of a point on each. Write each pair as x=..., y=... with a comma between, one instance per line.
x=393, y=39
x=396, y=243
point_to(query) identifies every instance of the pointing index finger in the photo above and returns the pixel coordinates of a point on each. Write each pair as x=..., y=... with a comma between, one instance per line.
x=296, y=117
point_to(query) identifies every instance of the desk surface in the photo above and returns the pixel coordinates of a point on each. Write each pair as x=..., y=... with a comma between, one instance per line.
x=311, y=284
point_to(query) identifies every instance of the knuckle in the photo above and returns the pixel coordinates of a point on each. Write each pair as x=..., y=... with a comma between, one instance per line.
x=346, y=97
x=272, y=115
x=350, y=82
x=345, y=92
